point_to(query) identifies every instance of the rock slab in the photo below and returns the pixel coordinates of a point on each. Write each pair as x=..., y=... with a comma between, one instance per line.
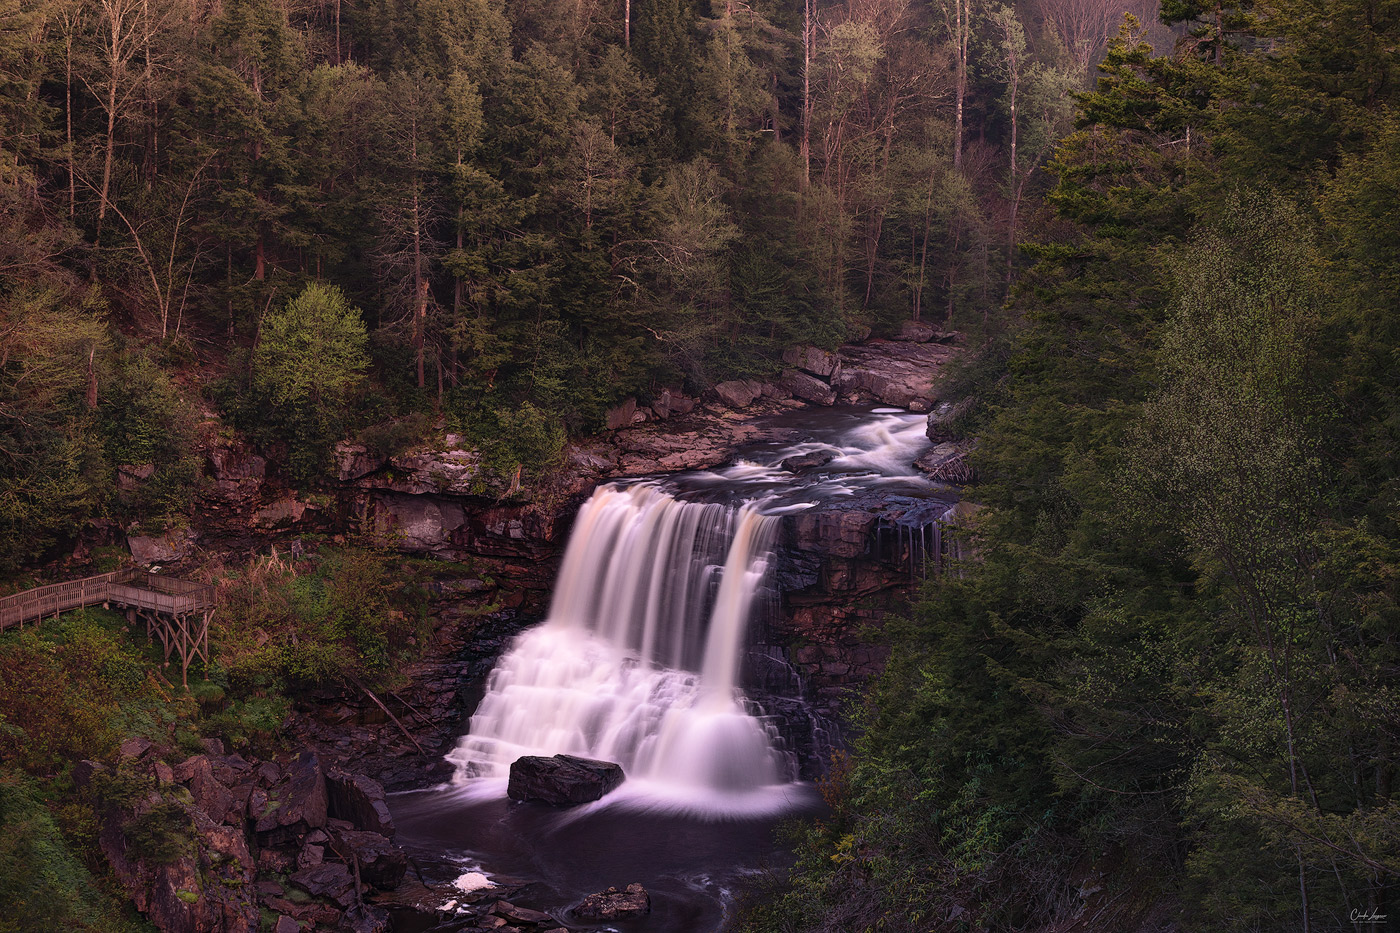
x=613, y=904
x=563, y=781
x=358, y=799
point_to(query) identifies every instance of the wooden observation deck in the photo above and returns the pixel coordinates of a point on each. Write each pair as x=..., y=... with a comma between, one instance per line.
x=177, y=612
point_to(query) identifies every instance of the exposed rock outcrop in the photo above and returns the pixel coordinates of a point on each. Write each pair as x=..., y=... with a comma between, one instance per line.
x=739, y=393
x=613, y=904
x=808, y=388
x=899, y=374
x=168, y=548
x=359, y=800
x=295, y=805
x=815, y=361
x=948, y=463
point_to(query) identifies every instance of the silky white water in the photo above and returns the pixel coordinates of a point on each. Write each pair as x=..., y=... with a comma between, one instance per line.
x=638, y=660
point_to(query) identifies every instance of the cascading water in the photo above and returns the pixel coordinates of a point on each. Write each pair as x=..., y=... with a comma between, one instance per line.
x=638, y=660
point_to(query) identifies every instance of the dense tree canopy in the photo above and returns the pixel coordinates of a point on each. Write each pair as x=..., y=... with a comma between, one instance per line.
x=1170, y=237
x=1163, y=692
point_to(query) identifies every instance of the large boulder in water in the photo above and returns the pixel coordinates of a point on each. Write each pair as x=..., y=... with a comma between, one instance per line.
x=564, y=781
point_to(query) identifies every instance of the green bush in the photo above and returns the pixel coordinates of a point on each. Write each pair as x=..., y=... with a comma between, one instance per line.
x=43, y=885
x=279, y=631
x=145, y=421
x=160, y=835
x=509, y=438
x=302, y=379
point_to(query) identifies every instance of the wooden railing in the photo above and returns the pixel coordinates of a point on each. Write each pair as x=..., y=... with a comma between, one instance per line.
x=128, y=588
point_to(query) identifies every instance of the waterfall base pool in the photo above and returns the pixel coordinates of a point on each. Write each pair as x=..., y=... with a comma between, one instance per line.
x=695, y=870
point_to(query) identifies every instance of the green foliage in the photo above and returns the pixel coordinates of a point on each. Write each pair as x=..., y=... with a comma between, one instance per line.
x=282, y=631
x=308, y=366
x=147, y=422
x=509, y=439
x=43, y=884
x=161, y=834
x=69, y=690
x=53, y=351
x=1169, y=661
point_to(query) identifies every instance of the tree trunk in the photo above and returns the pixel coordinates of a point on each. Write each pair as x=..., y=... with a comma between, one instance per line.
x=68, y=110
x=1015, y=192
x=420, y=287
x=111, y=144
x=806, y=146
x=961, y=28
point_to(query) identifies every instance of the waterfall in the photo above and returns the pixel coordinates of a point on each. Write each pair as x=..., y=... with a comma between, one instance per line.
x=638, y=659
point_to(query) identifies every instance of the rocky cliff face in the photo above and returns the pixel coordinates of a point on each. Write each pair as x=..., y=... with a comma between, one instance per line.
x=843, y=565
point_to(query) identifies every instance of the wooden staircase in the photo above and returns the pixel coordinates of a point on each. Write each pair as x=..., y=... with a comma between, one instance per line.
x=177, y=612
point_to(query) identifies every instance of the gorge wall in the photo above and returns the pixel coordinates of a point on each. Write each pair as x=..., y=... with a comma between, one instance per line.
x=843, y=565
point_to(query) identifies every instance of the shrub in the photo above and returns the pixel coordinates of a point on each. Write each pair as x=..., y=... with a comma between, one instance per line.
x=307, y=368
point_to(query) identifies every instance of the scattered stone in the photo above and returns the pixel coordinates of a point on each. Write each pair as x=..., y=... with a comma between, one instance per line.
x=738, y=393
x=382, y=864
x=135, y=747
x=359, y=800
x=621, y=416
x=915, y=332
x=670, y=402
x=808, y=388
x=85, y=770
x=331, y=880
x=524, y=915
x=310, y=856
x=169, y=548
x=277, y=861
x=212, y=797
x=813, y=360
x=807, y=461
x=297, y=804
x=269, y=773
x=363, y=918
x=563, y=780
x=286, y=924
x=613, y=904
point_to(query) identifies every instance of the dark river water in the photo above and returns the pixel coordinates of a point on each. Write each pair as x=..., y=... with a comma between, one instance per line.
x=694, y=869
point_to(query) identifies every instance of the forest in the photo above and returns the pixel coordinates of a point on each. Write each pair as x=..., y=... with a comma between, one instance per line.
x=1170, y=235
x=519, y=214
